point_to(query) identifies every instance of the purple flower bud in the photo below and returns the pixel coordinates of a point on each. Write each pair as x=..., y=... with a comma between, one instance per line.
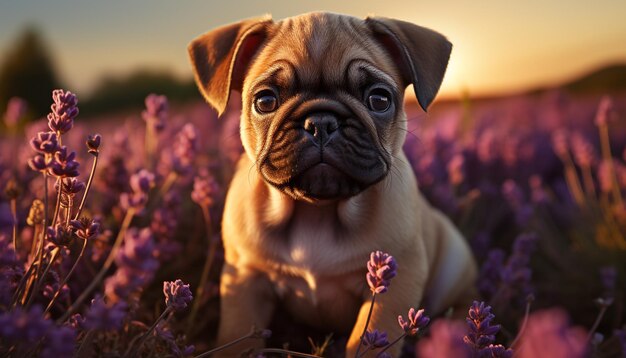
x=375, y=339
x=177, y=294
x=416, y=321
x=16, y=108
x=559, y=143
x=45, y=143
x=93, y=144
x=64, y=110
x=381, y=269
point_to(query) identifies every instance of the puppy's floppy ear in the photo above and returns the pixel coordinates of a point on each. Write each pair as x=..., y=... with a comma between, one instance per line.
x=221, y=56
x=421, y=54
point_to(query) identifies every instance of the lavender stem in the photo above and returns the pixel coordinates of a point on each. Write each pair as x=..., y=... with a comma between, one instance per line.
x=69, y=274
x=367, y=322
x=107, y=264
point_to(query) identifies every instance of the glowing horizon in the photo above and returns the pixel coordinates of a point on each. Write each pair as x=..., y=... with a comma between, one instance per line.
x=498, y=47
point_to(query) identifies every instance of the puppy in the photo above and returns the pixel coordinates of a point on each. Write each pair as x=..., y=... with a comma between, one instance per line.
x=324, y=180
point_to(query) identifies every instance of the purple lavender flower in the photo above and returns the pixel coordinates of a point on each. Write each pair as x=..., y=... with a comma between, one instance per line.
x=105, y=317
x=548, y=334
x=560, y=143
x=70, y=186
x=205, y=189
x=136, y=264
x=496, y=351
x=85, y=228
x=481, y=332
x=381, y=269
x=605, y=111
x=140, y=183
x=445, y=341
x=416, y=321
x=489, y=278
x=516, y=270
x=16, y=108
x=177, y=294
x=60, y=342
x=63, y=164
x=93, y=144
x=11, y=271
x=45, y=143
x=23, y=327
x=584, y=152
x=375, y=339
x=185, y=148
x=64, y=110
x=156, y=111
x=59, y=235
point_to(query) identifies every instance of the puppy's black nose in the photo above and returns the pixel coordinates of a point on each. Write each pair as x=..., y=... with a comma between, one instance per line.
x=320, y=126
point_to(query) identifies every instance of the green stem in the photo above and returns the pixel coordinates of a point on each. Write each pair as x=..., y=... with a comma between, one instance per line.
x=107, y=265
x=89, y=181
x=45, y=225
x=227, y=345
x=14, y=214
x=69, y=274
x=82, y=350
x=57, y=207
x=367, y=322
x=144, y=336
x=603, y=309
x=40, y=280
x=205, y=270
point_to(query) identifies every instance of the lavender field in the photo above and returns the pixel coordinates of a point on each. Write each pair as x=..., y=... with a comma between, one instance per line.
x=110, y=229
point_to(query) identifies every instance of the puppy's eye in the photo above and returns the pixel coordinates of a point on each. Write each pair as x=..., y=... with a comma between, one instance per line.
x=378, y=100
x=265, y=102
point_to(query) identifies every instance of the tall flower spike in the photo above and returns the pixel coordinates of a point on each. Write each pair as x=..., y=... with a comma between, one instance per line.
x=177, y=294
x=481, y=333
x=381, y=269
x=156, y=111
x=64, y=110
x=416, y=320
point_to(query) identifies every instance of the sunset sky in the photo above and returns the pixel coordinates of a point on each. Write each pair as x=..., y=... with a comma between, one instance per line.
x=499, y=46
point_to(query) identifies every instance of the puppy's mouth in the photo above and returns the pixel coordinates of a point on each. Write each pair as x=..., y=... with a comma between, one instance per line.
x=323, y=181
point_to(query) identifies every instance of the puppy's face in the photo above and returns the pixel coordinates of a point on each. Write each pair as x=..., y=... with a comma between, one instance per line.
x=322, y=96
x=322, y=108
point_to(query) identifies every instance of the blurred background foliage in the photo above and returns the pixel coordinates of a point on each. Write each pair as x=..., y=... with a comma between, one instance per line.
x=28, y=71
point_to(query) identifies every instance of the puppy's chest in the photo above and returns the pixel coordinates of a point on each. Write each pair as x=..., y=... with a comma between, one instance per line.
x=315, y=264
